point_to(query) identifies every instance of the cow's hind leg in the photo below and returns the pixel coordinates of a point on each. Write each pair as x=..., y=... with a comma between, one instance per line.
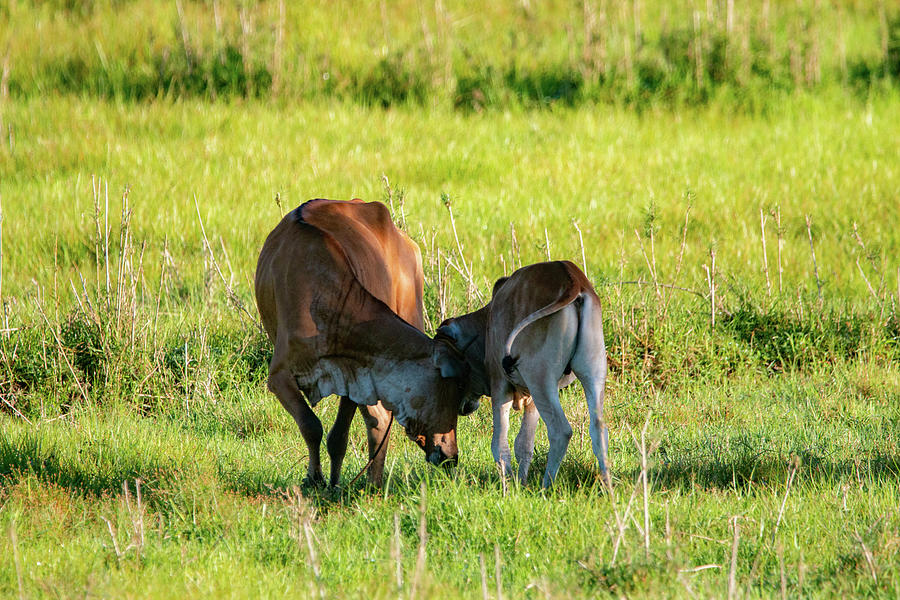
x=337, y=438
x=282, y=384
x=377, y=419
x=524, y=444
x=545, y=396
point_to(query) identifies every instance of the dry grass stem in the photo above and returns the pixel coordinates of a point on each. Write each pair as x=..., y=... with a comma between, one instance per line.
x=621, y=520
x=868, y=285
x=762, y=227
x=787, y=490
x=867, y=554
x=650, y=265
x=678, y=263
x=15, y=548
x=112, y=536
x=465, y=271
x=516, y=257
x=699, y=568
x=779, y=550
x=581, y=245
x=813, y=252
x=423, y=540
x=497, y=578
x=484, y=590
x=229, y=291
x=313, y=558
x=732, y=572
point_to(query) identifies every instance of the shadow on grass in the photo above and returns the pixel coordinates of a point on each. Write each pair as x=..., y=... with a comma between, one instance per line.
x=97, y=471
x=87, y=470
x=767, y=471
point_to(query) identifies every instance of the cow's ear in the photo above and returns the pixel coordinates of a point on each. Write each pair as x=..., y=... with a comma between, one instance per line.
x=498, y=285
x=448, y=360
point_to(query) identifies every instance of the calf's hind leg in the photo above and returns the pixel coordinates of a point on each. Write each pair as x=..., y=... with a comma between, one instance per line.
x=524, y=444
x=589, y=365
x=282, y=384
x=593, y=392
x=545, y=396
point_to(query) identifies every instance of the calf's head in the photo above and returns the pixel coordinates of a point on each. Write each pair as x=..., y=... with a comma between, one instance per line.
x=466, y=334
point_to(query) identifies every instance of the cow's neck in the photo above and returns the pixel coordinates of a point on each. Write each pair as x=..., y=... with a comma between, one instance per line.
x=388, y=338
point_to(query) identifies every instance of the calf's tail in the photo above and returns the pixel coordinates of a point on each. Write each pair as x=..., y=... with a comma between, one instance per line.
x=569, y=295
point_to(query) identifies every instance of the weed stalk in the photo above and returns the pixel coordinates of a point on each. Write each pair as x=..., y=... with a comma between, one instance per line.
x=813, y=252
x=396, y=553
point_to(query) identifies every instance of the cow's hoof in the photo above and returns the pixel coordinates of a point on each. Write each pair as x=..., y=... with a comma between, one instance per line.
x=315, y=481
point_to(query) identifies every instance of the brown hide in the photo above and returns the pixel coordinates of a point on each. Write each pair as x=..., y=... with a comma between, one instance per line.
x=327, y=279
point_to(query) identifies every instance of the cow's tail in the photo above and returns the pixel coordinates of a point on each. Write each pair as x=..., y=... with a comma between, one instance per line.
x=569, y=295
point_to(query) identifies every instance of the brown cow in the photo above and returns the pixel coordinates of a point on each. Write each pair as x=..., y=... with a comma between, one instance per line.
x=331, y=280
x=541, y=329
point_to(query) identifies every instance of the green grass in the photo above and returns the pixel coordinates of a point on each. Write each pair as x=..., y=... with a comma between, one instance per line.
x=175, y=395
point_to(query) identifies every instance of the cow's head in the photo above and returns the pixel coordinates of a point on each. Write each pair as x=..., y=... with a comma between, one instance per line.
x=431, y=419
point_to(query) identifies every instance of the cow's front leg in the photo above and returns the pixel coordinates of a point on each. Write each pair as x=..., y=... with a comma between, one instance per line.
x=377, y=419
x=338, y=436
x=501, y=402
x=524, y=444
x=282, y=384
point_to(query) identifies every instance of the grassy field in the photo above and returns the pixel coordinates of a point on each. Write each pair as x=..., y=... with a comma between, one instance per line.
x=744, y=245
x=784, y=414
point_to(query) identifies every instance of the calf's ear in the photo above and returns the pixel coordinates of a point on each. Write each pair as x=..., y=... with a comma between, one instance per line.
x=498, y=285
x=449, y=331
x=448, y=360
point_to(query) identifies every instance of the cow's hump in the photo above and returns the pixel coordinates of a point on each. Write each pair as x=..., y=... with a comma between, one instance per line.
x=363, y=230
